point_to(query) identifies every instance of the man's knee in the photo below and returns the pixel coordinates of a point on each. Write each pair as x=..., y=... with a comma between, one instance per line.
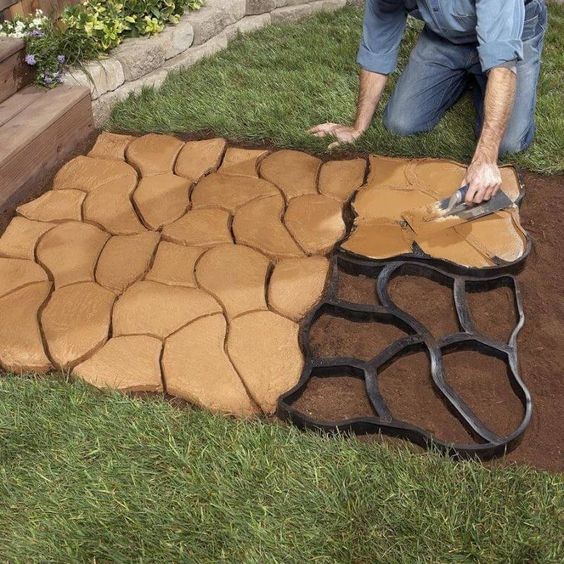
x=512, y=143
x=401, y=123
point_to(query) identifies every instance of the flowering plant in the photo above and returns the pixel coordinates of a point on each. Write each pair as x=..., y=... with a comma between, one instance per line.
x=20, y=27
x=88, y=30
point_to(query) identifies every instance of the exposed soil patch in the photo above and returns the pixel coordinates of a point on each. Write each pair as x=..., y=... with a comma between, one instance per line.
x=356, y=289
x=407, y=388
x=430, y=302
x=482, y=381
x=335, y=398
x=498, y=314
x=334, y=336
x=540, y=344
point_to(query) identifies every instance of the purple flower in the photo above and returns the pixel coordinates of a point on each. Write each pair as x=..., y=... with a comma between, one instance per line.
x=30, y=60
x=61, y=59
x=37, y=33
x=47, y=79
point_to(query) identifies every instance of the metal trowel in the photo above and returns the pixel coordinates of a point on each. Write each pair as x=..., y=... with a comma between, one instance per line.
x=452, y=211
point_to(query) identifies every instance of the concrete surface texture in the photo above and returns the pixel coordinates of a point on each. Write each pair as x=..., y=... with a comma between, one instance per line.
x=157, y=265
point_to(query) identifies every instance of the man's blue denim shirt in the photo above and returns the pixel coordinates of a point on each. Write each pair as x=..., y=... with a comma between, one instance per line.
x=494, y=25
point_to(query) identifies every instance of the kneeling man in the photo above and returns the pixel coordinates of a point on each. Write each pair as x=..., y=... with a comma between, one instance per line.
x=495, y=44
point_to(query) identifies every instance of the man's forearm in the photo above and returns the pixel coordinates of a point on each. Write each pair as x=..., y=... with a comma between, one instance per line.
x=498, y=103
x=370, y=91
x=483, y=176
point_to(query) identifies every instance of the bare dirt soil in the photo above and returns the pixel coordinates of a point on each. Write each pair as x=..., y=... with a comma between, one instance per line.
x=481, y=380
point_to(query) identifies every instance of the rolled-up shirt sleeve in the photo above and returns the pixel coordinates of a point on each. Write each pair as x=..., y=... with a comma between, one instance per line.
x=384, y=22
x=499, y=28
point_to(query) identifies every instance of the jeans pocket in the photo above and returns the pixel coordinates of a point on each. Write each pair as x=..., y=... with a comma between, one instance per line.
x=530, y=27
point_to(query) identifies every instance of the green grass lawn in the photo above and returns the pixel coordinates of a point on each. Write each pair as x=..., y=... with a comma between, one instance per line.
x=87, y=476
x=273, y=86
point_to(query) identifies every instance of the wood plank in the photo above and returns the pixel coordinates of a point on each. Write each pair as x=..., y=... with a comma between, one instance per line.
x=14, y=75
x=18, y=102
x=7, y=3
x=22, y=129
x=9, y=46
x=53, y=8
x=52, y=139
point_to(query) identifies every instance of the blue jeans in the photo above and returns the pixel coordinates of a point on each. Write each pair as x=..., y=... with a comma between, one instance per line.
x=438, y=73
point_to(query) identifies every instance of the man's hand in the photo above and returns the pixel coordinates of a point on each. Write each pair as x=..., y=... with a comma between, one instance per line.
x=343, y=133
x=483, y=179
x=371, y=87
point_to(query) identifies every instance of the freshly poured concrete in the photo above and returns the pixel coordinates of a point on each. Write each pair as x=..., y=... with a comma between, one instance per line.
x=157, y=265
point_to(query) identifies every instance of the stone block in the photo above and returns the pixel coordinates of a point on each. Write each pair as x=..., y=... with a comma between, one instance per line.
x=291, y=13
x=180, y=37
x=232, y=10
x=195, y=54
x=100, y=76
x=142, y=55
x=254, y=7
x=253, y=23
x=207, y=22
x=332, y=5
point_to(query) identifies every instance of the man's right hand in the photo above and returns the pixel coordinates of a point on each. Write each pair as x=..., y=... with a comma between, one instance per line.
x=343, y=133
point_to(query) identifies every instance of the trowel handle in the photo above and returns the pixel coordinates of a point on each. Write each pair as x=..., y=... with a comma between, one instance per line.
x=461, y=193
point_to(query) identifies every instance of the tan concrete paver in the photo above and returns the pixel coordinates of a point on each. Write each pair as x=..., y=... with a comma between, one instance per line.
x=294, y=172
x=76, y=322
x=154, y=263
x=198, y=158
x=55, y=205
x=129, y=364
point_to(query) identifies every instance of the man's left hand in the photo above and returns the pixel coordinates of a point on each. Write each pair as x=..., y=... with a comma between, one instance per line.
x=483, y=179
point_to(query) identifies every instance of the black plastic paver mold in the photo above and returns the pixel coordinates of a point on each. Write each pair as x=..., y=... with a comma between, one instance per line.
x=488, y=443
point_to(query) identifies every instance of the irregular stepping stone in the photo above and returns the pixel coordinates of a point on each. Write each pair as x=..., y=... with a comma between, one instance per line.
x=378, y=240
x=258, y=224
x=16, y=273
x=388, y=172
x=296, y=285
x=495, y=236
x=154, y=153
x=235, y=275
x=125, y=259
x=162, y=199
x=242, y=162
x=449, y=245
x=510, y=181
x=128, y=364
x=21, y=236
x=316, y=222
x=21, y=345
x=55, y=205
x=200, y=228
x=264, y=349
x=76, y=322
x=87, y=174
x=340, y=179
x=294, y=172
x=174, y=265
x=150, y=308
x=388, y=204
x=110, y=207
x=196, y=368
x=110, y=146
x=437, y=177
x=70, y=252
x=229, y=192
x=198, y=158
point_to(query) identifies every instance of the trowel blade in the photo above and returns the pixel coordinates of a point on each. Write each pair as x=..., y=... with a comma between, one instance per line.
x=437, y=216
